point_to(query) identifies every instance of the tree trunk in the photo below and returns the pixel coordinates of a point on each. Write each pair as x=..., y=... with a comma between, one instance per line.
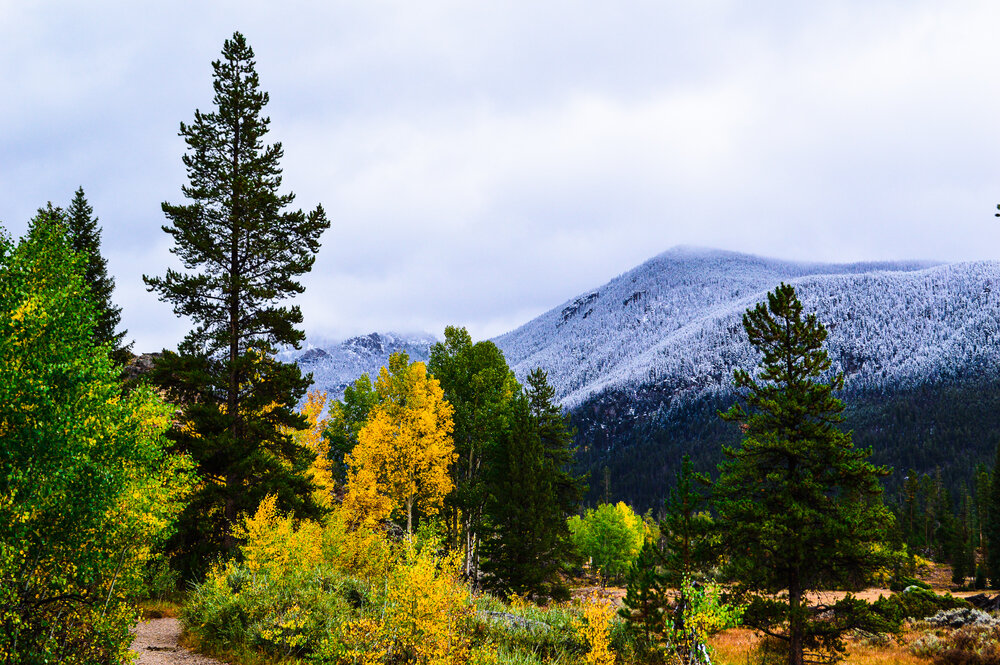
x=795, y=624
x=409, y=519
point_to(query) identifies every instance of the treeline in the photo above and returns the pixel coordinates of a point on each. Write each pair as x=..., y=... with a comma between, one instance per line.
x=937, y=428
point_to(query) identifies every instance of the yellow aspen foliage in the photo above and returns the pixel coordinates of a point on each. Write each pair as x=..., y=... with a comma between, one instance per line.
x=425, y=616
x=366, y=503
x=363, y=552
x=273, y=543
x=320, y=472
x=594, y=628
x=405, y=448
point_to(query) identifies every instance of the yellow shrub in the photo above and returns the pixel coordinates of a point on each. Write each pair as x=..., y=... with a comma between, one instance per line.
x=272, y=543
x=364, y=553
x=594, y=628
x=424, y=619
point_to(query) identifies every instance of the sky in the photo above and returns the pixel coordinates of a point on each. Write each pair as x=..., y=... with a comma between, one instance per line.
x=483, y=162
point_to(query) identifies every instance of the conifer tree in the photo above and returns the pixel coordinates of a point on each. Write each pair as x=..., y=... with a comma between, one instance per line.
x=645, y=594
x=532, y=493
x=243, y=252
x=993, y=526
x=800, y=507
x=686, y=528
x=85, y=238
x=557, y=442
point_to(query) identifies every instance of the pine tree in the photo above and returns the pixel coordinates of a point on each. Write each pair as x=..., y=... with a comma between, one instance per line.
x=993, y=526
x=85, y=238
x=557, y=443
x=532, y=493
x=800, y=508
x=244, y=252
x=686, y=528
x=645, y=594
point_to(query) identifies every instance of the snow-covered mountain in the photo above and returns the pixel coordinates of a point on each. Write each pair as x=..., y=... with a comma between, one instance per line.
x=335, y=365
x=645, y=362
x=675, y=322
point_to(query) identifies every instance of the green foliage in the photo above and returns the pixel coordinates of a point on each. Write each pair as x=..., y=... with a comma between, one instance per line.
x=244, y=252
x=347, y=417
x=800, y=508
x=532, y=493
x=915, y=603
x=700, y=613
x=479, y=385
x=86, y=491
x=611, y=536
x=85, y=239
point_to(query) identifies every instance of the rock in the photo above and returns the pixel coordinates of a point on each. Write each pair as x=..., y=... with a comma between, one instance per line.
x=515, y=620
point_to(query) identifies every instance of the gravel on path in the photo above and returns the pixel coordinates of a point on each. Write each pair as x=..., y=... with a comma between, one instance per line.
x=156, y=643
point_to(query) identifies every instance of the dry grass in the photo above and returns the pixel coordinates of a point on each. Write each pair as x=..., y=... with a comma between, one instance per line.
x=159, y=609
x=736, y=647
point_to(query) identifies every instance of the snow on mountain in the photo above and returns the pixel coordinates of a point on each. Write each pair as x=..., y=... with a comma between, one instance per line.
x=675, y=322
x=335, y=365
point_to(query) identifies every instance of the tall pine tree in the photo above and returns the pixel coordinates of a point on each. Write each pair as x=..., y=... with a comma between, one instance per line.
x=532, y=493
x=85, y=238
x=993, y=526
x=800, y=508
x=244, y=252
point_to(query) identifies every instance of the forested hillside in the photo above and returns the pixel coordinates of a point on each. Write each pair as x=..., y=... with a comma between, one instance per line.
x=645, y=362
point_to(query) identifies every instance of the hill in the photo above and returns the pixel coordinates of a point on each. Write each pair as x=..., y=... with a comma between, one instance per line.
x=644, y=362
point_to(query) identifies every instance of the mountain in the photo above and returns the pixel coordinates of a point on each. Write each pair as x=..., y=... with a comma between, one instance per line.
x=335, y=365
x=644, y=362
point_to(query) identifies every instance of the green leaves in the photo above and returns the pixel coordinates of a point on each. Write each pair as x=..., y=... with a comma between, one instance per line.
x=243, y=253
x=800, y=507
x=86, y=491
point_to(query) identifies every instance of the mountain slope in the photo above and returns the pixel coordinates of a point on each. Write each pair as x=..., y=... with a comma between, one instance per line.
x=335, y=365
x=645, y=361
x=676, y=321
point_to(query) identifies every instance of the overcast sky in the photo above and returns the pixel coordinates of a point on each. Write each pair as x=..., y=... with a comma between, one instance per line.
x=482, y=162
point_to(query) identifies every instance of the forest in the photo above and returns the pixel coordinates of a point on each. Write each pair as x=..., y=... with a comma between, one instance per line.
x=436, y=513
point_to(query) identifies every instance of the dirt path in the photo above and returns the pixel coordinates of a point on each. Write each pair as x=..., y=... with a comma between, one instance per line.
x=156, y=643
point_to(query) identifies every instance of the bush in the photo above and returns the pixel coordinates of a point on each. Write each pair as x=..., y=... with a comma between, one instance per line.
x=901, y=583
x=331, y=595
x=916, y=603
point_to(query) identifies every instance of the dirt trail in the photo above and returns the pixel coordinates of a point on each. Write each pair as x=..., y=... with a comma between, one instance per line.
x=156, y=643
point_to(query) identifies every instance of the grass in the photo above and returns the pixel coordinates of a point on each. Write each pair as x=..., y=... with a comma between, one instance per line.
x=737, y=647
x=159, y=609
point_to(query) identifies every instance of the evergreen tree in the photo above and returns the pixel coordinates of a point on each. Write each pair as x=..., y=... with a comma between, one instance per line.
x=686, y=527
x=517, y=550
x=800, y=508
x=532, y=493
x=645, y=594
x=682, y=553
x=993, y=526
x=557, y=443
x=85, y=238
x=244, y=252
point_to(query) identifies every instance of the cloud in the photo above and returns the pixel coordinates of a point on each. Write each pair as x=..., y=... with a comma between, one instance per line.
x=484, y=162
